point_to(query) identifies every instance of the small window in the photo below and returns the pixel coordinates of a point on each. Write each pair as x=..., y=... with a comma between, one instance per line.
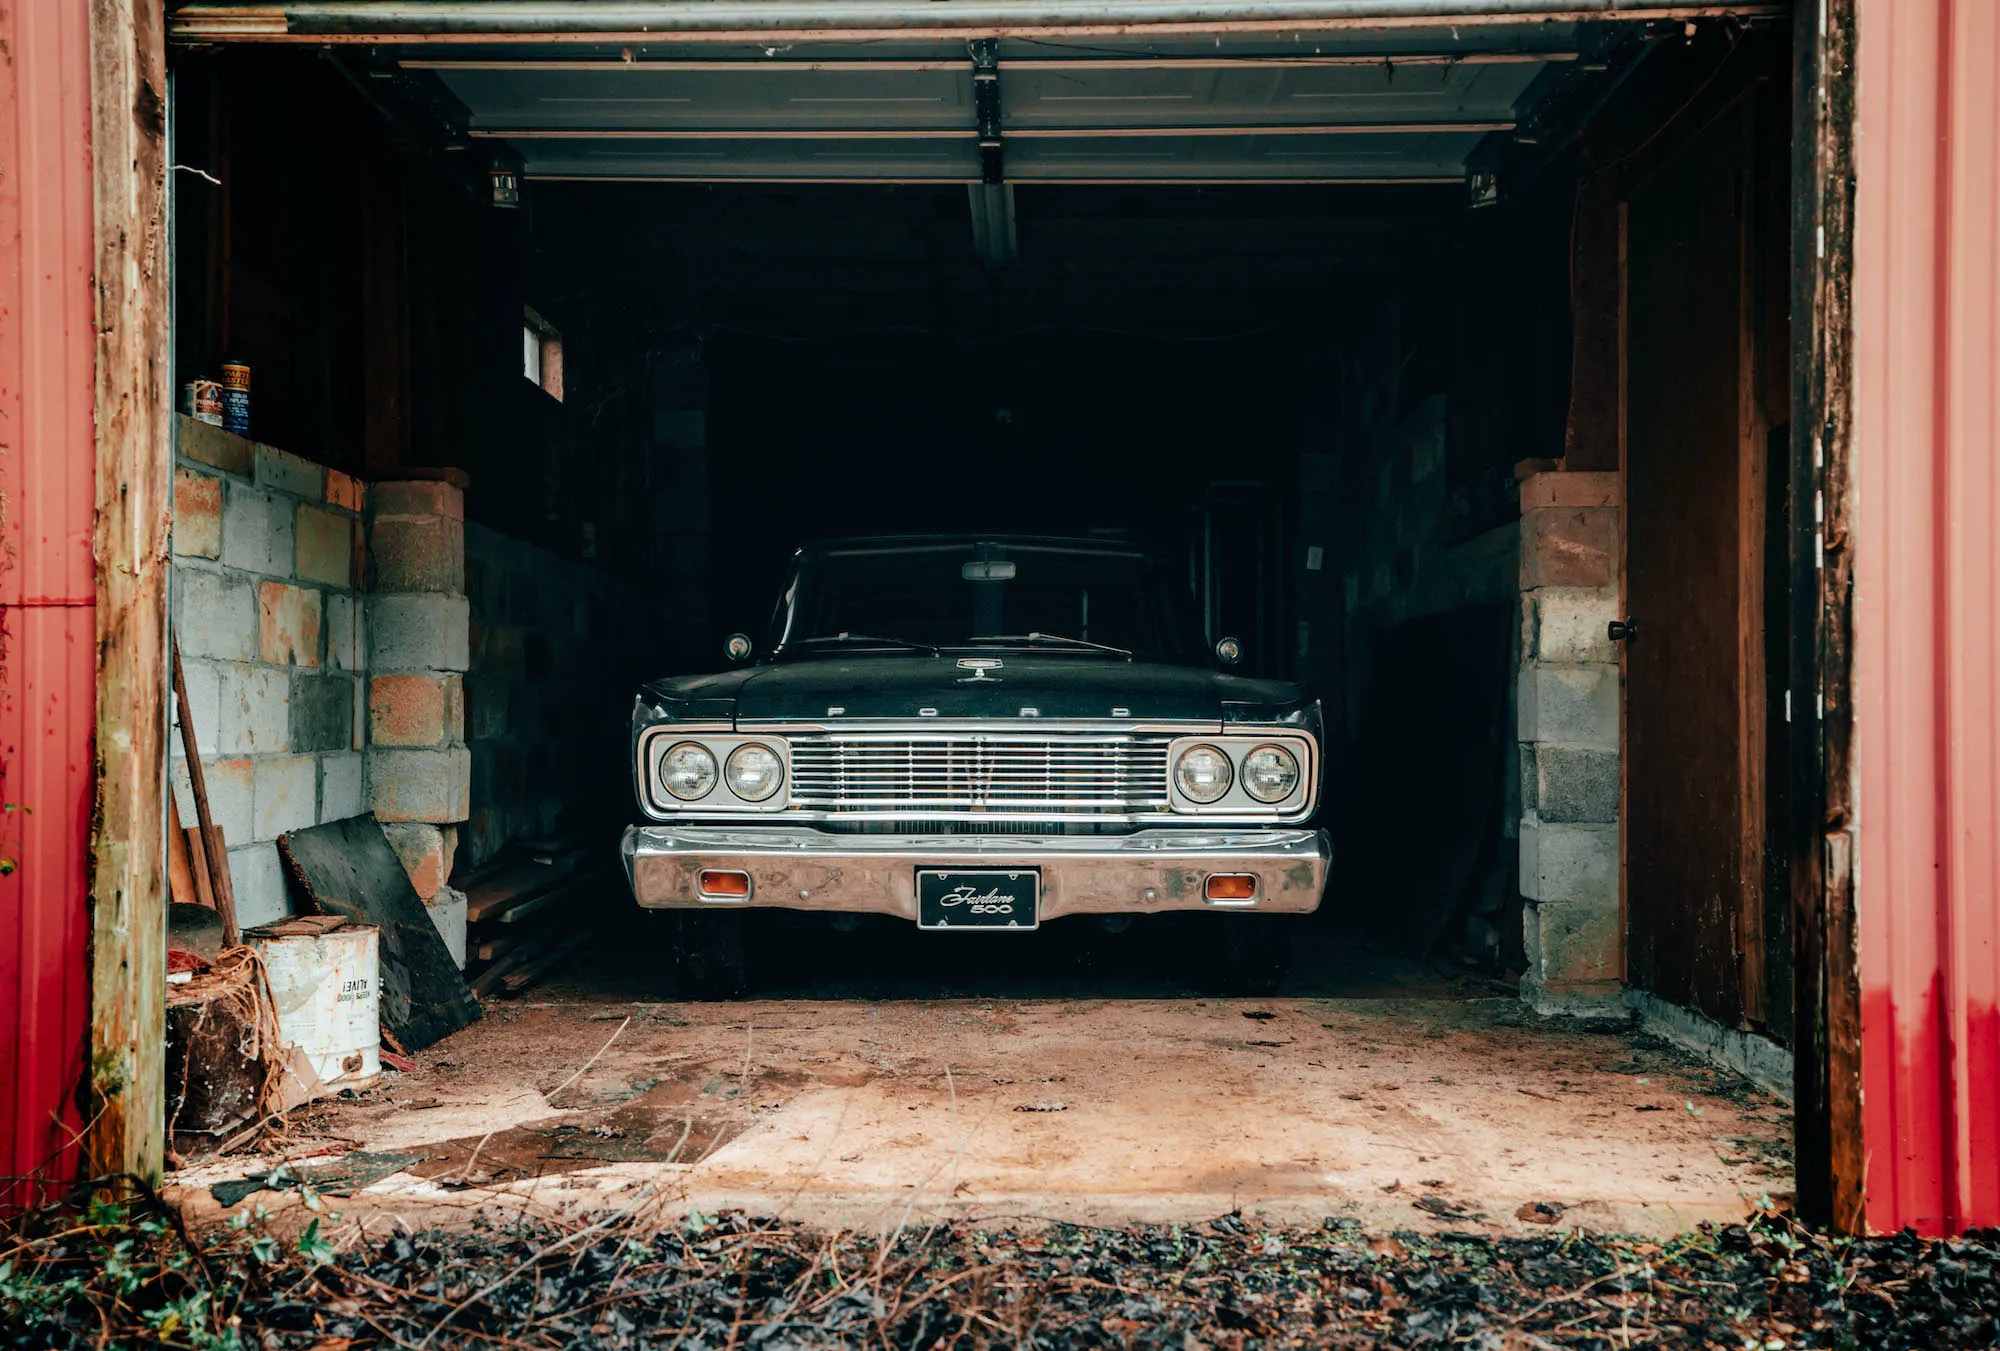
x=541, y=353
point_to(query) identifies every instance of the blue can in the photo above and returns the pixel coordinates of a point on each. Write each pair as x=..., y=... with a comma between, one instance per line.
x=236, y=398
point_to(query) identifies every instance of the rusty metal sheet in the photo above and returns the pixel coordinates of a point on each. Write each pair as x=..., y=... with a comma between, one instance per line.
x=1927, y=608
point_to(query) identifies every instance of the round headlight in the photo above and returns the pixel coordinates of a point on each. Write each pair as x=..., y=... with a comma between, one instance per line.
x=753, y=772
x=1203, y=773
x=1270, y=773
x=687, y=771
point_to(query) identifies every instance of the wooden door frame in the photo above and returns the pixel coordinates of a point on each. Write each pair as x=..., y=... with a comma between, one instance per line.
x=125, y=1086
x=1829, y=1161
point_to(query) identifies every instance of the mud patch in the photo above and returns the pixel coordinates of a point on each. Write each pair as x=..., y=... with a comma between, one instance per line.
x=522, y=1152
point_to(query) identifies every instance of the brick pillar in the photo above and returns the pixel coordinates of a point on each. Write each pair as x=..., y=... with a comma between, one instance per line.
x=1568, y=725
x=419, y=770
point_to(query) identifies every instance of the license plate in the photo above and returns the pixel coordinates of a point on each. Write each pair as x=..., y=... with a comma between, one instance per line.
x=980, y=900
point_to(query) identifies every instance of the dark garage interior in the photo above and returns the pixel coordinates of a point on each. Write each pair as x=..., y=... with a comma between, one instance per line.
x=1363, y=355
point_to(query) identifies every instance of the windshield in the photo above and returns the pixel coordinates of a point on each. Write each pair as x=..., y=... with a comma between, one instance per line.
x=1092, y=601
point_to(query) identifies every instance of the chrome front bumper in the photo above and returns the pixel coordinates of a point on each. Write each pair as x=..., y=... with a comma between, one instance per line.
x=799, y=868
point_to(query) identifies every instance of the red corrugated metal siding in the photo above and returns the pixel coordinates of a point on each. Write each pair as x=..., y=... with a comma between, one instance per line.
x=1926, y=515
x=48, y=630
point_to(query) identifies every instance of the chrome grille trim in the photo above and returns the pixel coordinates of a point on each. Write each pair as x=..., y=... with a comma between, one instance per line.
x=980, y=772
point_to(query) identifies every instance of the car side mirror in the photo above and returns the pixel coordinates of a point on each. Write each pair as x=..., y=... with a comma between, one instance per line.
x=1229, y=651
x=739, y=648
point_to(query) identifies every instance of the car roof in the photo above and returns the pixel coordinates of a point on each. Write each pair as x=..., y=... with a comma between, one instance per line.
x=1107, y=543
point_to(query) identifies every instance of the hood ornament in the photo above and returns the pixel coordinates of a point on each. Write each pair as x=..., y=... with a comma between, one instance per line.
x=979, y=666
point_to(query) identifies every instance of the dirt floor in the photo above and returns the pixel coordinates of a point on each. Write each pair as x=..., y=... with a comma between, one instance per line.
x=1410, y=1102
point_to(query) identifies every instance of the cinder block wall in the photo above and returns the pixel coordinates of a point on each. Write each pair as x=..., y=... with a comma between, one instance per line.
x=545, y=694
x=419, y=770
x=1568, y=726
x=1405, y=551
x=267, y=562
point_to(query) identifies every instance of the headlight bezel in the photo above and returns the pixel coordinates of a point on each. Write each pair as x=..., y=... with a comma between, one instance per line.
x=720, y=741
x=1237, y=744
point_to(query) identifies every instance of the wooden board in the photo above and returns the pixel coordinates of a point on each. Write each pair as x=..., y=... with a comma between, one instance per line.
x=347, y=868
x=497, y=892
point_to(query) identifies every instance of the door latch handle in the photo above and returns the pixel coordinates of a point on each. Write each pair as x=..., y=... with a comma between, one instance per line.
x=1622, y=631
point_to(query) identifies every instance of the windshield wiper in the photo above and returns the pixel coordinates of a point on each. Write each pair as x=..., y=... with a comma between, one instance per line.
x=1059, y=639
x=868, y=640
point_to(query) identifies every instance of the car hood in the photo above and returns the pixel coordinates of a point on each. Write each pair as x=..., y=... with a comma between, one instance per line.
x=907, y=685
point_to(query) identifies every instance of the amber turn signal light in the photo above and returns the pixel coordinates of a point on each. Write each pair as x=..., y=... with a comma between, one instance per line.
x=724, y=885
x=1231, y=887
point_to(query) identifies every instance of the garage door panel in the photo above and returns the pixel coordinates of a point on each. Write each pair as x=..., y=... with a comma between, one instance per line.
x=638, y=98
x=722, y=161
x=1423, y=157
x=1144, y=96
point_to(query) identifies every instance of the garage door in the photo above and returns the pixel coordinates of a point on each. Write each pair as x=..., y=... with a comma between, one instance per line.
x=1369, y=91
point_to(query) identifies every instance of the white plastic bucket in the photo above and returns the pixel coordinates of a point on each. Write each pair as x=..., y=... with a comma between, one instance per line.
x=329, y=994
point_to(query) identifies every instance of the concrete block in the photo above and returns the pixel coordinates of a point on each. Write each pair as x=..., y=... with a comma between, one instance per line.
x=197, y=514
x=343, y=491
x=1575, y=944
x=322, y=713
x=255, y=703
x=1576, y=785
x=215, y=614
x=417, y=633
x=416, y=497
x=1569, y=546
x=282, y=471
x=1565, y=705
x=342, y=787
x=416, y=553
x=206, y=443
x=426, y=852
x=420, y=785
x=258, y=879
x=1567, y=624
x=325, y=547
x=1559, y=488
x=204, y=689
x=229, y=784
x=257, y=531
x=1569, y=861
x=288, y=620
x=286, y=795
x=447, y=911
x=416, y=710
x=342, y=623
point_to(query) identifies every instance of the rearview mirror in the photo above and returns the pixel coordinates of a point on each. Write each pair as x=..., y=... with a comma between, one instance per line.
x=739, y=648
x=1229, y=651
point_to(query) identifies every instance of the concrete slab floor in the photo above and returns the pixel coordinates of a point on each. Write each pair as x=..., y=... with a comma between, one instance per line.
x=1402, y=1113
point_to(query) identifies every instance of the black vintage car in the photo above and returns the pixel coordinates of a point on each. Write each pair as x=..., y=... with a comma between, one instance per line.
x=978, y=734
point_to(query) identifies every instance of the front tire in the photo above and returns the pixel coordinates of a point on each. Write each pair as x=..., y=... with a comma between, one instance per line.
x=1248, y=955
x=711, y=960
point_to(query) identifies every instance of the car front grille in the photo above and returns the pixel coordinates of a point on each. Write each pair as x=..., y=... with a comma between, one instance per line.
x=983, y=774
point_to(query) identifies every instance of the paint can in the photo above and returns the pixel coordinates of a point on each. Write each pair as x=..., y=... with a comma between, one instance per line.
x=236, y=397
x=327, y=986
x=202, y=401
